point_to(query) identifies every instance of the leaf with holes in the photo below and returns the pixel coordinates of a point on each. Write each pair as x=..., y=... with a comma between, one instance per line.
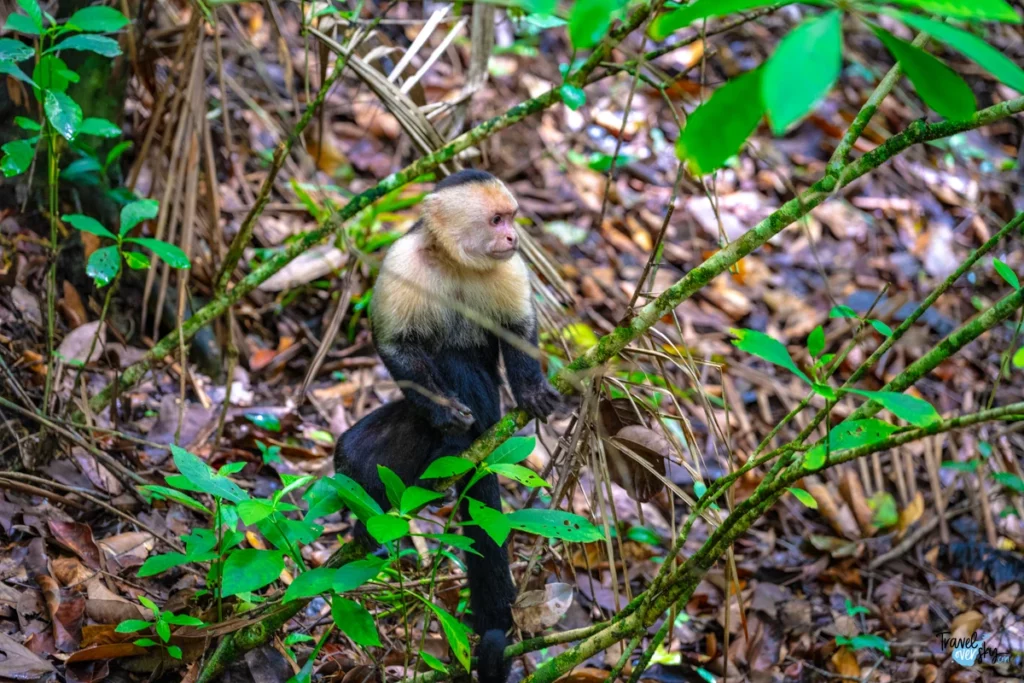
x=355, y=622
x=170, y=254
x=98, y=19
x=717, y=129
x=767, y=348
x=846, y=435
x=916, y=411
x=523, y=475
x=250, y=569
x=555, y=524
x=63, y=113
x=104, y=265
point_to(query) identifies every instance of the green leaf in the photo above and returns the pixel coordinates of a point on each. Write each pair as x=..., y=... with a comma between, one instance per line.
x=12, y=50
x=939, y=86
x=355, y=622
x=293, y=638
x=971, y=46
x=765, y=347
x=573, y=96
x=80, y=169
x=537, y=6
x=174, y=651
x=884, y=506
x=1007, y=274
x=447, y=466
x=853, y=610
x=872, y=642
x=881, y=327
x=149, y=604
x=387, y=528
x=454, y=631
x=1010, y=481
x=101, y=45
x=555, y=524
x=804, y=497
x=253, y=511
x=17, y=157
x=27, y=124
x=802, y=70
x=956, y=465
x=183, y=620
x=177, y=496
x=843, y=312
x=51, y=73
x=393, y=485
x=199, y=474
x=286, y=533
x=979, y=10
x=63, y=113
x=356, y=498
x=463, y=543
x=137, y=212
x=717, y=129
x=523, y=475
x=916, y=411
x=104, y=265
x=87, y=224
x=98, y=19
x=33, y=10
x=666, y=24
x=132, y=626
x=22, y=24
x=12, y=69
x=268, y=421
x=161, y=563
x=1018, y=358
x=309, y=583
x=145, y=642
x=589, y=21
x=433, y=662
x=163, y=630
x=414, y=498
x=495, y=524
x=114, y=154
x=355, y=574
x=250, y=569
x=513, y=451
x=170, y=254
x=816, y=341
x=100, y=128
x=845, y=435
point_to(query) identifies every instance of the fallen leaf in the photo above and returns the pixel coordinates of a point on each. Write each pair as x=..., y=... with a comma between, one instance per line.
x=20, y=663
x=78, y=539
x=966, y=624
x=845, y=663
x=75, y=347
x=910, y=514
x=537, y=610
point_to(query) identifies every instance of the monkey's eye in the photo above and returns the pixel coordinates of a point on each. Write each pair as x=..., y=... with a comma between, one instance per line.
x=496, y=219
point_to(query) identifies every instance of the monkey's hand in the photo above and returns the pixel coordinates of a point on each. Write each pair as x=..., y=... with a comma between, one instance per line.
x=454, y=416
x=539, y=400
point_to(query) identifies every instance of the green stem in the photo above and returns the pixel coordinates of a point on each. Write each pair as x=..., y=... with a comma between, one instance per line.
x=53, y=156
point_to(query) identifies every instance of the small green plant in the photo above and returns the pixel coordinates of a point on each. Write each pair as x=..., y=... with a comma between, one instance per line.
x=161, y=626
x=865, y=641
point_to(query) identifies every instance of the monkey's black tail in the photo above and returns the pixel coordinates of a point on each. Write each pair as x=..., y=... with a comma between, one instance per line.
x=492, y=666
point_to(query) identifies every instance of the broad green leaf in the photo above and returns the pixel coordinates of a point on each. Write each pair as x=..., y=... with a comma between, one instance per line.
x=309, y=583
x=133, y=626
x=842, y=312
x=454, y=631
x=98, y=19
x=884, y=506
x=12, y=69
x=87, y=224
x=881, y=327
x=17, y=157
x=63, y=113
x=717, y=129
x=101, y=45
x=26, y=123
x=149, y=604
x=356, y=498
x=414, y=498
x=136, y=260
x=174, y=651
x=355, y=574
x=80, y=169
x=170, y=254
x=573, y=96
x=804, y=497
x=979, y=10
x=523, y=475
x=1018, y=358
x=199, y=541
x=589, y=21
x=513, y=451
x=12, y=50
x=768, y=348
x=293, y=482
x=104, y=265
x=869, y=641
x=1010, y=481
x=939, y=86
x=355, y=622
x=816, y=341
x=163, y=492
x=161, y=563
x=137, y=212
x=393, y=485
x=33, y=10
x=387, y=528
x=463, y=543
x=555, y=524
x=250, y=569
x=51, y=73
x=99, y=127
x=323, y=500
x=802, y=70
x=916, y=411
x=286, y=533
x=202, y=477
x=22, y=24
x=253, y=511
x=447, y=466
x=495, y=524
x=433, y=662
x=668, y=23
x=183, y=620
x=537, y=6
x=114, y=154
x=958, y=466
x=1006, y=273
x=971, y=46
x=268, y=421
x=846, y=435
x=231, y=468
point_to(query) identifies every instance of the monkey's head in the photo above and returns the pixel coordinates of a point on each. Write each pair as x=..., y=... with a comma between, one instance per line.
x=470, y=214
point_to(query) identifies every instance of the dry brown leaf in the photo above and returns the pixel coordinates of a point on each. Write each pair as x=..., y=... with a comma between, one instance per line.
x=964, y=625
x=75, y=347
x=20, y=663
x=845, y=663
x=537, y=610
x=853, y=492
x=631, y=442
x=78, y=539
x=585, y=675
x=910, y=514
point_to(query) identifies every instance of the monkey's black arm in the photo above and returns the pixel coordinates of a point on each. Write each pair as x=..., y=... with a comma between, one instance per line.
x=525, y=375
x=424, y=385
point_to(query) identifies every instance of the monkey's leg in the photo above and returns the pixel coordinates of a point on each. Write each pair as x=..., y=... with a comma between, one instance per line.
x=491, y=591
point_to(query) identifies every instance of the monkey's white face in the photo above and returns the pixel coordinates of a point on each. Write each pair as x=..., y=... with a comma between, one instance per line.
x=475, y=223
x=503, y=240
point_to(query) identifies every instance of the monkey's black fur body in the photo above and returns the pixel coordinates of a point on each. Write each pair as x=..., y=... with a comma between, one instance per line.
x=451, y=383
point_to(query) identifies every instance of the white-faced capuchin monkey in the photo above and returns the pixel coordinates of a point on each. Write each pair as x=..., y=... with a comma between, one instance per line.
x=462, y=250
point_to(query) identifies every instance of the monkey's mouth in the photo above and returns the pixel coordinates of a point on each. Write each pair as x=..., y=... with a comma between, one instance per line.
x=503, y=254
